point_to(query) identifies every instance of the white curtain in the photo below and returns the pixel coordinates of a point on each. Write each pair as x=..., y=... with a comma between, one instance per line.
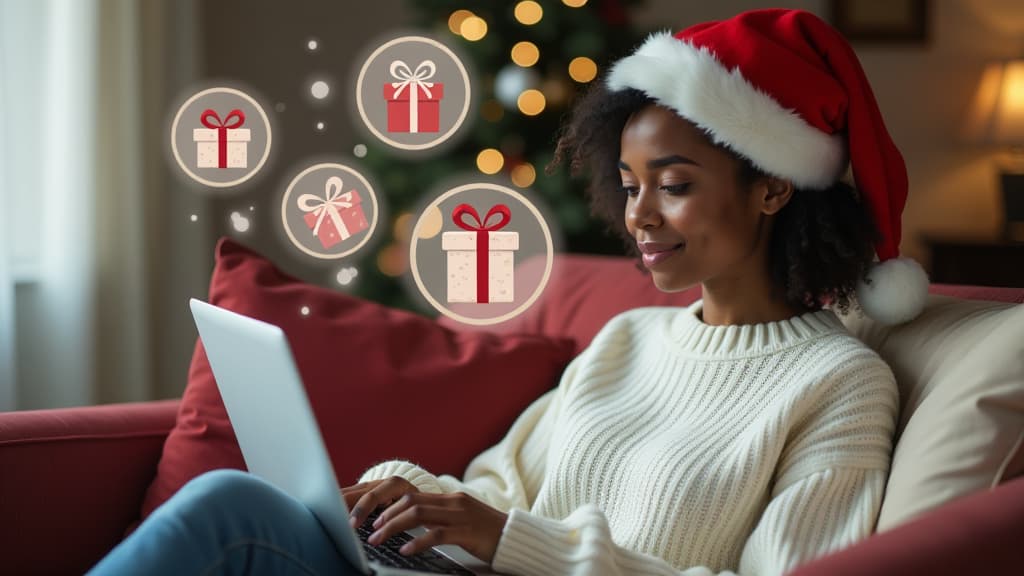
x=49, y=165
x=7, y=367
x=87, y=201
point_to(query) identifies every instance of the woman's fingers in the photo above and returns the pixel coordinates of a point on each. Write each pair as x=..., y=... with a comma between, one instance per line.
x=384, y=492
x=449, y=518
x=352, y=494
x=411, y=516
x=436, y=536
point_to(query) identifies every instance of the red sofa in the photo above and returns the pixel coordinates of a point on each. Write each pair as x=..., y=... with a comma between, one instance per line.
x=72, y=480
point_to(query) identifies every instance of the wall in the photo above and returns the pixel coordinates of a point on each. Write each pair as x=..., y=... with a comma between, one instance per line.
x=924, y=93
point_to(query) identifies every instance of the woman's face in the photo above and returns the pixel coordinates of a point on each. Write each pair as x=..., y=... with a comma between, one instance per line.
x=684, y=206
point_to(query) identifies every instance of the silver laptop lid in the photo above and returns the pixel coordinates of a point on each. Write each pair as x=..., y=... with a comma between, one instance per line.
x=272, y=418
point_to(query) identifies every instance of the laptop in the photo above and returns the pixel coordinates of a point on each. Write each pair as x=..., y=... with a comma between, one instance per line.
x=281, y=442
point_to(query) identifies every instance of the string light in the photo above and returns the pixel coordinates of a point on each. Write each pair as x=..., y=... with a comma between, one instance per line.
x=528, y=12
x=473, y=28
x=531, y=102
x=456, y=19
x=582, y=69
x=524, y=174
x=490, y=161
x=525, y=54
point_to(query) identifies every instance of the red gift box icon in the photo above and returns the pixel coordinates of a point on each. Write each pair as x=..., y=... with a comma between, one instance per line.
x=335, y=216
x=414, y=104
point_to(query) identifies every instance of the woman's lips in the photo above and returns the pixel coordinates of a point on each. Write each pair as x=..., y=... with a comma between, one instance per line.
x=656, y=253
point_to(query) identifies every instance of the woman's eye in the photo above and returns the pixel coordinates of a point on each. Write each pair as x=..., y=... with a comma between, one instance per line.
x=676, y=188
x=628, y=190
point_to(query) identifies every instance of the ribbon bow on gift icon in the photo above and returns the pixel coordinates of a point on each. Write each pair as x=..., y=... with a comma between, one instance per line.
x=222, y=127
x=482, y=241
x=328, y=206
x=415, y=81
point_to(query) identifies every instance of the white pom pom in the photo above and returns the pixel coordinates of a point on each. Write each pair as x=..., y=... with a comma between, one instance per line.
x=897, y=292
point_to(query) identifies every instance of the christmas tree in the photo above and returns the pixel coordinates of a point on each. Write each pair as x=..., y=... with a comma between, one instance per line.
x=531, y=59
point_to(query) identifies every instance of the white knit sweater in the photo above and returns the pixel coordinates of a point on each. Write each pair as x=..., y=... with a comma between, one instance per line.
x=674, y=447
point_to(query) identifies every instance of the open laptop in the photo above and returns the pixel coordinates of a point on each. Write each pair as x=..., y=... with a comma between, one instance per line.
x=281, y=442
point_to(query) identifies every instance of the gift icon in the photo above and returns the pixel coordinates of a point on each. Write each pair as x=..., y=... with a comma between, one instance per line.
x=414, y=104
x=480, y=260
x=223, y=143
x=335, y=217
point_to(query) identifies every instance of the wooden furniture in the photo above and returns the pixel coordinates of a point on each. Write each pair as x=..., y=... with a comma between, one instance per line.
x=975, y=260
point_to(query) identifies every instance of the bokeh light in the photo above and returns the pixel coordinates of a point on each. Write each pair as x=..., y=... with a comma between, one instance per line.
x=531, y=102
x=582, y=69
x=473, y=28
x=403, y=227
x=525, y=53
x=558, y=90
x=524, y=174
x=312, y=44
x=492, y=110
x=359, y=150
x=490, y=161
x=320, y=89
x=345, y=276
x=528, y=12
x=456, y=19
x=391, y=260
x=239, y=222
x=574, y=3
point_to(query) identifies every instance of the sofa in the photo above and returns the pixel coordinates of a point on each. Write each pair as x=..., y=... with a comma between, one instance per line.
x=74, y=481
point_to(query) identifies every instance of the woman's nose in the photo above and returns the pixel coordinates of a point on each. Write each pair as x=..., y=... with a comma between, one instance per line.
x=644, y=211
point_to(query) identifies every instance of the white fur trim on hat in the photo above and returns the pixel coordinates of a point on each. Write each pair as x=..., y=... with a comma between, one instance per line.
x=897, y=293
x=691, y=81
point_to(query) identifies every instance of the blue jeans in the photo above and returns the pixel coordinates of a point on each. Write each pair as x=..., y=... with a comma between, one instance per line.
x=227, y=522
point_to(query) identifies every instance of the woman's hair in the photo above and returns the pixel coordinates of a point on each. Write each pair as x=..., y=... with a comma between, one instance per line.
x=822, y=242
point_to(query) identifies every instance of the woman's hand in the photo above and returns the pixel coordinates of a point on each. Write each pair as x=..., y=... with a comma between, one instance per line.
x=363, y=499
x=456, y=519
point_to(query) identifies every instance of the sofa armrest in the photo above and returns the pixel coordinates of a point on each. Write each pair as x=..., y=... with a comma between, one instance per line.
x=73, y=479
x=978, y=534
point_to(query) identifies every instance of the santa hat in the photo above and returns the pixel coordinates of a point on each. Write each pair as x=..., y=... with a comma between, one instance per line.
x=785, y=90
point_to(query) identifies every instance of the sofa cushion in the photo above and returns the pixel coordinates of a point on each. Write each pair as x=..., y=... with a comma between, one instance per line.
x=960, y=370
x=369, y=371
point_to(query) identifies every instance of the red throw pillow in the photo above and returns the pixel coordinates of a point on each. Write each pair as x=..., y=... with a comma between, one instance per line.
x=384, y=383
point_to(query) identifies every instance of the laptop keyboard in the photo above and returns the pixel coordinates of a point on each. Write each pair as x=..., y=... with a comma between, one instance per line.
x=387, y=552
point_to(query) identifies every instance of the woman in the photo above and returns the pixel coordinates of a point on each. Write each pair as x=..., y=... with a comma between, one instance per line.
x=746, y=433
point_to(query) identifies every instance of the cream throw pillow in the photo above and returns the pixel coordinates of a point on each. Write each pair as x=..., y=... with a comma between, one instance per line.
x=960, y=370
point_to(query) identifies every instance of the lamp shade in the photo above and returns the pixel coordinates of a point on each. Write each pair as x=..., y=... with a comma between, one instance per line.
x=998, y=112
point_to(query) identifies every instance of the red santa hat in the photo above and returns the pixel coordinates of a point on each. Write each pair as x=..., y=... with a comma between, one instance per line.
x=785, y=90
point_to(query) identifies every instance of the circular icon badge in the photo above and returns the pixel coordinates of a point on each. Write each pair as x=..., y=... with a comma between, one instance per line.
x=481, y=253
x=329, y=211
x=221, y=137
x=413, y=93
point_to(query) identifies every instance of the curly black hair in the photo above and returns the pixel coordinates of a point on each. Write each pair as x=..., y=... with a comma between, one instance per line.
x=822, y=242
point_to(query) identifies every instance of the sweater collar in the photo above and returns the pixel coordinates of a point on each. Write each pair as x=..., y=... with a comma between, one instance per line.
x=693, y=336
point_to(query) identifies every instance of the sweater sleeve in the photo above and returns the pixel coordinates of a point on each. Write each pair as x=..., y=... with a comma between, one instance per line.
x=508, y=474
x=823, y=512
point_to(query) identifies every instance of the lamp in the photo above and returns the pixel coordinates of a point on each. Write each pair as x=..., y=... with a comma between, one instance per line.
x=998, y=118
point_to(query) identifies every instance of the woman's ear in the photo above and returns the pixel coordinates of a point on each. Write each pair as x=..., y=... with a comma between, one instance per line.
x=774, y=193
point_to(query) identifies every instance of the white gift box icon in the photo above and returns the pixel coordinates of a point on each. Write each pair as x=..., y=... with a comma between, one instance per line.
x=222, y=144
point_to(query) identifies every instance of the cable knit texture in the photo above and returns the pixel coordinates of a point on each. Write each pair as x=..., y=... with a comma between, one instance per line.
x=674, y=447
